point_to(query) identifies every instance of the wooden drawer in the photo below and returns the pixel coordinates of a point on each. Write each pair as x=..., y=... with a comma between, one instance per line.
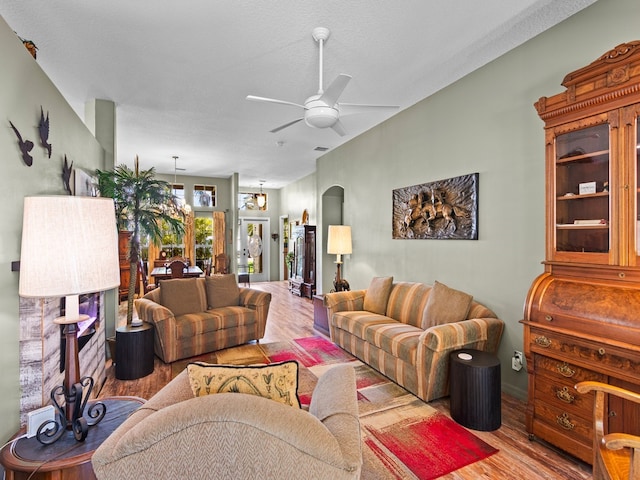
x=565, y=422
x=560, y=393
x=600, y=357
x=555, y=368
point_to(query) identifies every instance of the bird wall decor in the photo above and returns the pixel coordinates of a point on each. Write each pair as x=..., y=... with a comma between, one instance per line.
x=25, y=146
x=43, y=128
x=66, y=175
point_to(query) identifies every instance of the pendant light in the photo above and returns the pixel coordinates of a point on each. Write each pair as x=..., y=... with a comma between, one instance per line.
x=261, y=197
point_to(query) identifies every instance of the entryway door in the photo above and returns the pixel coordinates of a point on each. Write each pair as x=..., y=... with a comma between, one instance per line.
x=253, y=248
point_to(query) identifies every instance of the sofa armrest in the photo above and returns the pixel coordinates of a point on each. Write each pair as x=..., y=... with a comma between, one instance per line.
x=344, y=301
x=164, y=323
x=259, y=301
x=478, y=333
x=223, y=435
x=334, y=402
x=437, y=342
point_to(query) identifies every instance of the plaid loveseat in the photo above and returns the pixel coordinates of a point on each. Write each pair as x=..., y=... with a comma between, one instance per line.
x=193, y=316
x=402, y=343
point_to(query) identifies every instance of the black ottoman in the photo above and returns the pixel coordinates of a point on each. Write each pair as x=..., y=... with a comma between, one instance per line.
x=474, y=380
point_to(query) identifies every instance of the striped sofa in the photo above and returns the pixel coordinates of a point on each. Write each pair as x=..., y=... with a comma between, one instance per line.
x=193, y=316
x=400, y=344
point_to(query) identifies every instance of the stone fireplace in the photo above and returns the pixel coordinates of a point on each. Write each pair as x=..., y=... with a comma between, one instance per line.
x=40, y=352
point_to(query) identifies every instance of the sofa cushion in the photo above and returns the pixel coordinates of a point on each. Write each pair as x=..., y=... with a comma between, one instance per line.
x=377, y=295
x=407, y=302
x=276, y=381
x=182, y=296
x=222, y=290
x=445, y=305
x=193, y=325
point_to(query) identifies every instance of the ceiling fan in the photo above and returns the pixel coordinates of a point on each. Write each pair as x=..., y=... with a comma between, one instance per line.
x=322, y=110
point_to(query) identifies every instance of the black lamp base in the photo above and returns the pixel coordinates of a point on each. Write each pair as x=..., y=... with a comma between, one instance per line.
x=72, y=417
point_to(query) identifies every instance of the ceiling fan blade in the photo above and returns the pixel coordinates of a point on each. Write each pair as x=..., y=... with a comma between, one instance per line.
x=282, y=127
x=339, y=128
x=273, y=100
x=333, y=91
x=354, y=107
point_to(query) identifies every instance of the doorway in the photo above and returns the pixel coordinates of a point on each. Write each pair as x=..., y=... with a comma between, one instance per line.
x=253, y=248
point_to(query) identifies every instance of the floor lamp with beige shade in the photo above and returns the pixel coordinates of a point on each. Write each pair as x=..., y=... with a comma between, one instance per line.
x=339, y=243
x=69, y=248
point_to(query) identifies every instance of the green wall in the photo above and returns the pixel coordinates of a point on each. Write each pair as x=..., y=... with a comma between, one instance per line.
x=23, y=89
x=484, y=123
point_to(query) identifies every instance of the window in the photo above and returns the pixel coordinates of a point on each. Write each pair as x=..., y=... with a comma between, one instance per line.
x=204, y=240
x=172, y=244
x=178, y=192
x=204, y=195
x=249, y=201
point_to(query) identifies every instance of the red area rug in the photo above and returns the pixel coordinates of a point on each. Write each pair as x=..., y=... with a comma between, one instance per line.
x=403, y=437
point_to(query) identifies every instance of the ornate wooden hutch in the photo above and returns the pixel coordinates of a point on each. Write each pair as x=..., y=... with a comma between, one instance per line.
x=582, y=315
x=303, y=279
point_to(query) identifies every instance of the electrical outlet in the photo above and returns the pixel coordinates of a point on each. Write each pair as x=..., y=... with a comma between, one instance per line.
x=517, y=362
x=519, y=356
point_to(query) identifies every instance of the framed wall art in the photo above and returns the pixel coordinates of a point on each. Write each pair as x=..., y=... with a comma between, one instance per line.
x=444, y=209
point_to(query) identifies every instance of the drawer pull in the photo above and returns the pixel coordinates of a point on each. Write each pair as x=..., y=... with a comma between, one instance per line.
x=621, y=275
x=543, y=342
x=601, y=351
x=565, y=370
x=564, y=395
x=564, y=422
x=548, y=318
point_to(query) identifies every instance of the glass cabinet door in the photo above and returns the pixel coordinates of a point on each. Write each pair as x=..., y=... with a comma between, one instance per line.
x=582, y=201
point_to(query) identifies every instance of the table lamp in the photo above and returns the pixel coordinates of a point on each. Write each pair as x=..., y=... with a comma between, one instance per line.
x=339, y=243
x=69, y=247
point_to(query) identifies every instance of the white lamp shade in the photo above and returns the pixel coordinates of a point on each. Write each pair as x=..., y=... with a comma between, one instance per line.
x=339, y=241
x=69, y=246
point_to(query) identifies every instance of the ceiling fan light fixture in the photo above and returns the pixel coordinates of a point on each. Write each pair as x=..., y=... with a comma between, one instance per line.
x=321, y=116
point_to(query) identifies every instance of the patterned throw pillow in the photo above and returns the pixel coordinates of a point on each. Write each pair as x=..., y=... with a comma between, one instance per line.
x=276, y=381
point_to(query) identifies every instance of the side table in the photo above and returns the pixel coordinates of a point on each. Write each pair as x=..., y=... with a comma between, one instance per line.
x=66, y=459
x=134, y=351
x=320, y=316
x=475, y=400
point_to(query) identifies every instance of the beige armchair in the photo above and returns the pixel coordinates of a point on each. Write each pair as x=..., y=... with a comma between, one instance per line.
x=237, y=436
x=615, y=455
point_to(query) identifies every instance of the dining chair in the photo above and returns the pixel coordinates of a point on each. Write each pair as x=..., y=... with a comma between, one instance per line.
x=177, y=268
x=222, y=263
x=615, y=455
x=147, y=287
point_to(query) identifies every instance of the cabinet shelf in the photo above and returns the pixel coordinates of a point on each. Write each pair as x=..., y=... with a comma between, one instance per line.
x=573, y=226
x=583, y=158
x=583, y=196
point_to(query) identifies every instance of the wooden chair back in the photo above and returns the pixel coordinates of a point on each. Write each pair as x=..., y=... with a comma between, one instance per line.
x=616, y=456
x=146, y=286
x=222, y=263
x=177, y=268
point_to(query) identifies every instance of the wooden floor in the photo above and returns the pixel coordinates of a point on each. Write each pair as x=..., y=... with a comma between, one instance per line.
x=518, y=458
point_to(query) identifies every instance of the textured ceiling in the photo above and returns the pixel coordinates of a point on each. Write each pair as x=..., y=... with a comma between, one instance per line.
x=179, y=72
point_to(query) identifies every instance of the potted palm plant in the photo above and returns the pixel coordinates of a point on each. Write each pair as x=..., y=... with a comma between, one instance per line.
x=144, y=205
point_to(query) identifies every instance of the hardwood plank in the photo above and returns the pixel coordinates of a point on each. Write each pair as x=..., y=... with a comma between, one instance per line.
x=291, y=317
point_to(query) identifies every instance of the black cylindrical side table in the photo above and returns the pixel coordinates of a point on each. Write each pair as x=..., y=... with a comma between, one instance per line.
x=475, y=389
x=134, y=351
